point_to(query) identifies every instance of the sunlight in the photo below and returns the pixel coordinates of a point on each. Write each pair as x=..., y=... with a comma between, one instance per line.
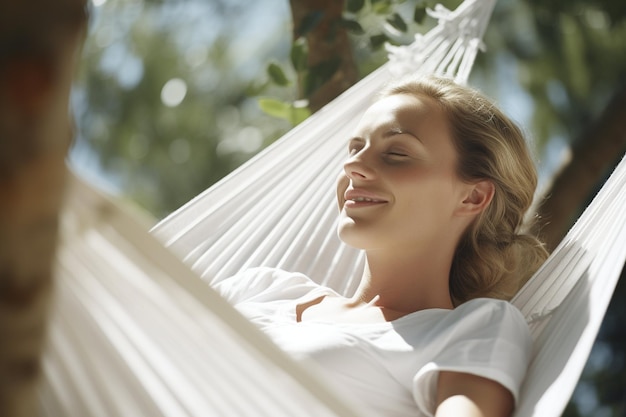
x=173, y=92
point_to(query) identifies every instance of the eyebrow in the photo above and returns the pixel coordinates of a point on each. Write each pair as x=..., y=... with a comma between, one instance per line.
x=399, y=131
x=389, y=133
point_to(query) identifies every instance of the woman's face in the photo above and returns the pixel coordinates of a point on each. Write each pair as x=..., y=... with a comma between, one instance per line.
x=399, y=186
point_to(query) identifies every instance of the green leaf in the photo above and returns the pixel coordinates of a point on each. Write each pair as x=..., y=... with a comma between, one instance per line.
x=298, y=113
x=419, y=14
x=376, y=41
x=294, y=113
x=275, y=107
x=319, y=74
x=353, y=6
x=397, y=22
x=255, y=88
x=309, y=22
x=277, y=75
x=353, y=26
x=299, y=54
x=381, y=7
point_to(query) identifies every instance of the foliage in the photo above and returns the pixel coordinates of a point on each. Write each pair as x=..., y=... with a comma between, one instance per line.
x=162, y=151
x=570, y=57
x=372, y=23
x=295, y=112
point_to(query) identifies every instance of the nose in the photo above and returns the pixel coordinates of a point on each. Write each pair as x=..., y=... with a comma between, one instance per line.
x=358, y=167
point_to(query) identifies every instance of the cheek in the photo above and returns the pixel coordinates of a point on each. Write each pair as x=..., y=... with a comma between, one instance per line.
x=426, y=191
x=342, y=186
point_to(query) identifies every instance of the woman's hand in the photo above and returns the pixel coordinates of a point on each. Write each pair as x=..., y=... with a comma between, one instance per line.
x=466, y=395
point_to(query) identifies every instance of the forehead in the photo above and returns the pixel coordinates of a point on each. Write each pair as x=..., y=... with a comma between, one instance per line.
x=402, y=111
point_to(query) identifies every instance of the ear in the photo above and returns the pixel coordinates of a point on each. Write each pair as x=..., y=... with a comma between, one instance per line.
x=477, y=198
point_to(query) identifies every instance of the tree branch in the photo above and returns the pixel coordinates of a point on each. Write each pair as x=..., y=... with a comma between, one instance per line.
x=320, y=21
x=597, y=152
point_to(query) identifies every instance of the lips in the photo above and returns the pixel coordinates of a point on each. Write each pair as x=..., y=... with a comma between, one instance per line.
x=362, y=198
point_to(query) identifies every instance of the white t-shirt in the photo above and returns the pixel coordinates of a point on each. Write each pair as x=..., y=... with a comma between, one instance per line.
x=390, y=368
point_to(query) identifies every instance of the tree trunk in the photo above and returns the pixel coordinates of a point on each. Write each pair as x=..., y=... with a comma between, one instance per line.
x=39, y=44
x=331, y=65
x=596, y=153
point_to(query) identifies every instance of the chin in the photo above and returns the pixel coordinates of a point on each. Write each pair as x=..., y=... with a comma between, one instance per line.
x=343, y=231
x=351, y=237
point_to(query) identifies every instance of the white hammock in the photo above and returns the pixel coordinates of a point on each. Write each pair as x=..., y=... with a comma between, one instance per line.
x=138, y=332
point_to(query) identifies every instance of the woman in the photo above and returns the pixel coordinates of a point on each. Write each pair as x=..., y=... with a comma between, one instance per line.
x=434, y=190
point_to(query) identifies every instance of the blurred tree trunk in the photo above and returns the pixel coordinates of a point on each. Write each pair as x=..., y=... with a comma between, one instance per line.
x=595, y=154
x=331, y=66
x=39, y=45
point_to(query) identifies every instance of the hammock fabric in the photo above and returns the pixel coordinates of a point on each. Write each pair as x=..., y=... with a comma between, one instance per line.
x=137, y=330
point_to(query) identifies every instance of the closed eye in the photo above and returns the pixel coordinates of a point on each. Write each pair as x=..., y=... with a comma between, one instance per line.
x=397, y=153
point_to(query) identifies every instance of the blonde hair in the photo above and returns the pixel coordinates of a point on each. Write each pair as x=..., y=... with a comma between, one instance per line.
x=494, y=257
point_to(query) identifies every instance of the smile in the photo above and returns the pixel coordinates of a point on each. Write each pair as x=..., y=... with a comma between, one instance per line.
x=359, y=203
x=361, y=198
x=365, y=199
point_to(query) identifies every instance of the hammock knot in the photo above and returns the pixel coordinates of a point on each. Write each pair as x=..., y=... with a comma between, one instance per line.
x=477, y=44
x=404, y=60
x=450, y=48
x=441, y=13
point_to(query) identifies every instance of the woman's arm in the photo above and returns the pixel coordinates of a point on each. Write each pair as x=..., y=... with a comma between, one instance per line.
x=466, y=395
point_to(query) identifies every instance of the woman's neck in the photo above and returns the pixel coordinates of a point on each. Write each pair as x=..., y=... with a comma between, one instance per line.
x=406, y=280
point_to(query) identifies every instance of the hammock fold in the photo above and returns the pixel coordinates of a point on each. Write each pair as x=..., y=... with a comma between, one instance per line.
x=566, y=300
x=137, y=333
x=138, y=330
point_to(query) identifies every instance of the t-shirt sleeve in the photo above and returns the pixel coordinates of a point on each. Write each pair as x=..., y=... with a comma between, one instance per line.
x=483, y=337
x=264, y=284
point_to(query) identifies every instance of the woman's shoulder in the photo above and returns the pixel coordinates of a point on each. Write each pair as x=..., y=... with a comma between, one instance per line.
x=262, y=284
x=484, y=337
x=484, y=318
x=486, y=305
x=490, y=318
x=491, y=310
x=490, y=313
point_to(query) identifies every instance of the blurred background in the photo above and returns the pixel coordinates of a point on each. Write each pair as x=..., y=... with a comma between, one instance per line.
x=172, y=95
